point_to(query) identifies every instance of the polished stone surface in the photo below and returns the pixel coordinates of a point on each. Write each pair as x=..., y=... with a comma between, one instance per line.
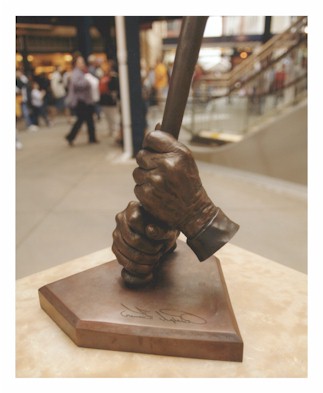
x=270, y=305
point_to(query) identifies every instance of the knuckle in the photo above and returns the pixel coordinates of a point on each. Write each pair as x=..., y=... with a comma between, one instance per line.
x=132, y=205
x=157, y=179
x=148, y=137
x=133, y=217
x=154, y=232
x=135, y=174
x=140, y=156
x=140, y=192
x=140, y=153
x=133, y=240
x=136, y=241
x=114, y=235
x=119, y=217
x=115, y=251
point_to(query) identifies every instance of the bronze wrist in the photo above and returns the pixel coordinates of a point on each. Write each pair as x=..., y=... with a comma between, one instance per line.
x=213, y=236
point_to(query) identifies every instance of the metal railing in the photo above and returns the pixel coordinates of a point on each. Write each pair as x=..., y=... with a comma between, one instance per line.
x=262, y=85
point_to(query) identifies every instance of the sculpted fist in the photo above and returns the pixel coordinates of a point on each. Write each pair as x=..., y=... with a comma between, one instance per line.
x=139, y=243
x=168, y=184
x=169, y=188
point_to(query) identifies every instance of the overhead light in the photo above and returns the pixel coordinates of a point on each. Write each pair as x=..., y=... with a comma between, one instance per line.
x=68, y=57
x=34, y=26
x=30, y=58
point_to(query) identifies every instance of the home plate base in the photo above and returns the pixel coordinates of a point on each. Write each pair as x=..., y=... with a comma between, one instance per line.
x=187, y=313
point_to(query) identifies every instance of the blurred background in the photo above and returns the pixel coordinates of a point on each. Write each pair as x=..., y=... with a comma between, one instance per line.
x=245, y=122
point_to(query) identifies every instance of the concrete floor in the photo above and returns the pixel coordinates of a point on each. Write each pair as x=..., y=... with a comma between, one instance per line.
x=67, y=198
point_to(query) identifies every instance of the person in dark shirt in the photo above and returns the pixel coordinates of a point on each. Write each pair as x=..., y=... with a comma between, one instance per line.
x=80, y=99
x=109, y=100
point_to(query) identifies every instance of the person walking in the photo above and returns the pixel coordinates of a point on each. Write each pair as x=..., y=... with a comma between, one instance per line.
x=58, y=89
x=38, y=106
x=95, y=70
x=23, y=90
x=80, y=99
x=161, y=80
x=44, y=86
x=109, y=98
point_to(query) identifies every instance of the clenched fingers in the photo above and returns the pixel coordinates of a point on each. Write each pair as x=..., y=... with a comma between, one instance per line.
x=133, y=239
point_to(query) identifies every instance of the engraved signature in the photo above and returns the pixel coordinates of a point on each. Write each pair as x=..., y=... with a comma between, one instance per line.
x=165, y=315
x=136, y=312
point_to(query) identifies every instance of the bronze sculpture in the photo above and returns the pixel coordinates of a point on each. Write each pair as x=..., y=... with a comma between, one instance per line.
x=167, y=180
x=169, y=189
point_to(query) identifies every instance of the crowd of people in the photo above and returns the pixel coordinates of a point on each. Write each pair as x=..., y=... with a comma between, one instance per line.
x=83, y=95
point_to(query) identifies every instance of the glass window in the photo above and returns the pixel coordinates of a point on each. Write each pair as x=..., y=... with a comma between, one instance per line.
x=280, y=23
x=246, y=25
x=213, y=27
x=231, y=25
x=253, y=24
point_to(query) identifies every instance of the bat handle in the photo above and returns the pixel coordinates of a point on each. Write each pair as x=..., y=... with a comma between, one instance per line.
x=187, y=52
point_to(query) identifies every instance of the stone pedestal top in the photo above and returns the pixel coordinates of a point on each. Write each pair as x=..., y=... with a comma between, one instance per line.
x=270, y=305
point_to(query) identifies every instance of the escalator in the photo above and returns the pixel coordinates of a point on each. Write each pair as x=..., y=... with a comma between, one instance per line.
x=255, y=117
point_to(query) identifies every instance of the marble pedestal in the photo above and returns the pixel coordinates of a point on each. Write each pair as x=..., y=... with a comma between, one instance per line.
x=270, y=305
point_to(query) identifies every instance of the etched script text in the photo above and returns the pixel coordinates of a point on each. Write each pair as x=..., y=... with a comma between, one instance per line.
x=165, y=315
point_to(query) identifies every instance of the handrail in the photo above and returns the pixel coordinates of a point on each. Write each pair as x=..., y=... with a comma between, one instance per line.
x=257, y=74
x=266, y=67
x=266, y=49
x=240, y=75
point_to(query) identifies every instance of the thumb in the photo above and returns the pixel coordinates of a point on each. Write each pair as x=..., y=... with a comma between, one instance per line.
x=160, y=142
x=155, y=232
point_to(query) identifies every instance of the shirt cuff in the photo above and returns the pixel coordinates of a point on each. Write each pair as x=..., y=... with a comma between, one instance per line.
x=216, y=234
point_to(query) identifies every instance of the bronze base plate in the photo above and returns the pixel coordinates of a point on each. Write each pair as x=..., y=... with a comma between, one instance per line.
x=187, y=313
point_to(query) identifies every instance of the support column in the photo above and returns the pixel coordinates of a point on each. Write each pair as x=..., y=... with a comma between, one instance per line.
x=83, y=35
x=106, y=27
x=124, y=86
x=267, y=32
x=135, y=86
x=24, y=53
